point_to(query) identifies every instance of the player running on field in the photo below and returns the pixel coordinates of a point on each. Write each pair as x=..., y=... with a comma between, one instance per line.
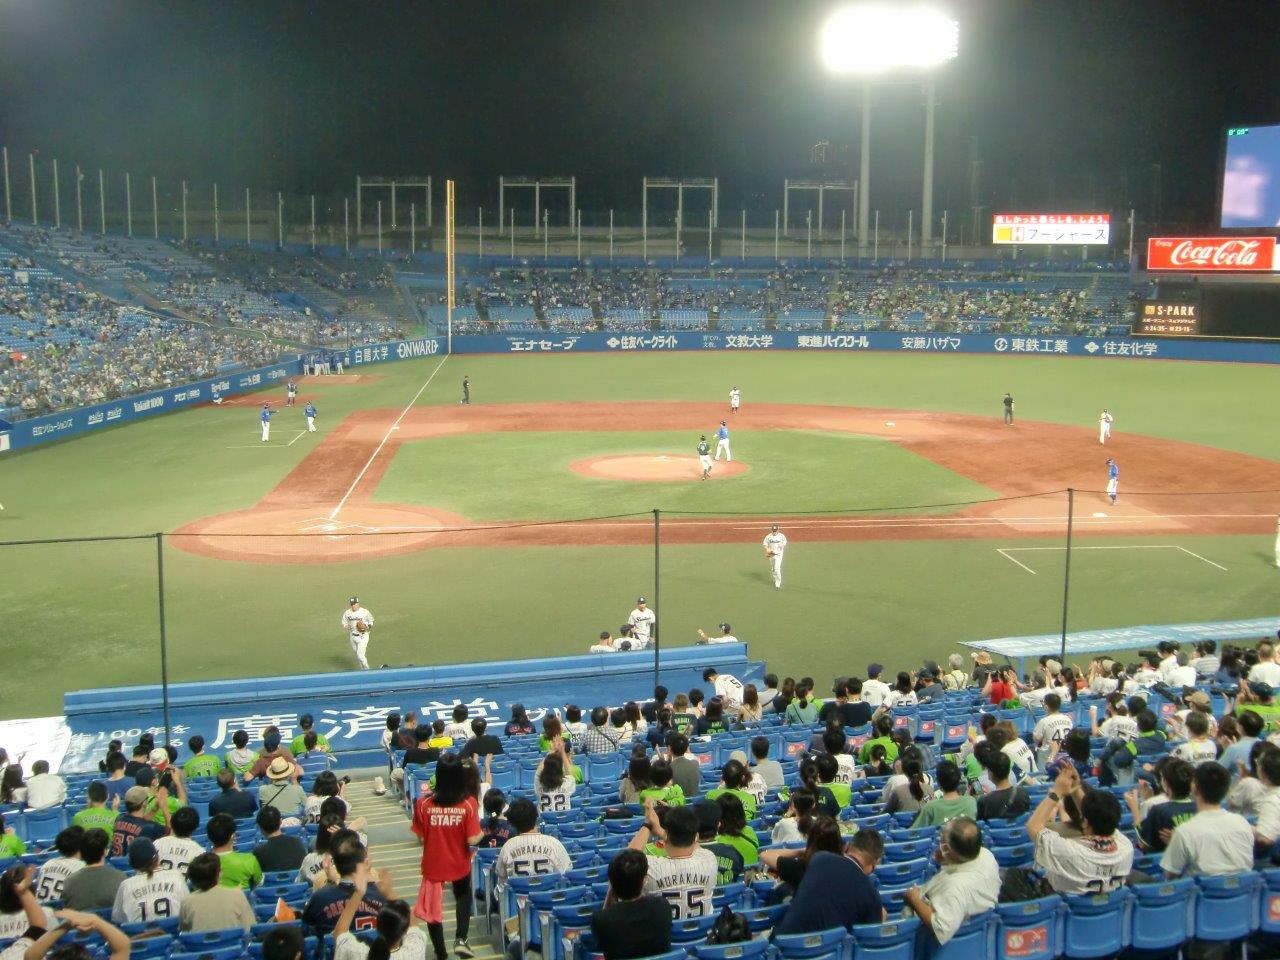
x=265, y=417
x=1104, y=426
x=722, y=441
x=704, y=456
x=1113, y=480
x=358, y=622
x=774, y=545
x=735, y=400
x=309, y=411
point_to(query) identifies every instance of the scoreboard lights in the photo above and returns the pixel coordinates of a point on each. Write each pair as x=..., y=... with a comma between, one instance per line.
x=1043, y=229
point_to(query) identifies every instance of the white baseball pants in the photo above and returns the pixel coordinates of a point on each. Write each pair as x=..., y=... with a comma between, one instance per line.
x=266, y=430
x=723, y=445
x=359, y=644
x=776, y=563
x=311, y=424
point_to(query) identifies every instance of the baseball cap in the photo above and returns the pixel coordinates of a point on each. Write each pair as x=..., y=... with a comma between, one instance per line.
x=724, y=627
x=1260, y=689
x=1053, y=666
x=874, y=669
x=141, y=852
x=136, y=796
x=641, y=600
x=353, y=600
x=708, y=812
x=159, y=757
x=145, y=777
x=1198, y=698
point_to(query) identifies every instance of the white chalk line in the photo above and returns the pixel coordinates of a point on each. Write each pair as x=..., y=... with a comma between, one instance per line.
x=385, y=437
x=295, y=439
x=1006, y=551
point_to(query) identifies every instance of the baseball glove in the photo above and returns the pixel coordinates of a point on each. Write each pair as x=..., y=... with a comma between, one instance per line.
x=362, y=627
x=768, y=553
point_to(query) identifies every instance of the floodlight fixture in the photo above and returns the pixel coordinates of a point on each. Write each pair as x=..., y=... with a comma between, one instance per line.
x=870, y=39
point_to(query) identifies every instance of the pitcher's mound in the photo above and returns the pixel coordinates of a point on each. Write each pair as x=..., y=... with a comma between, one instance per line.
x=653, y=468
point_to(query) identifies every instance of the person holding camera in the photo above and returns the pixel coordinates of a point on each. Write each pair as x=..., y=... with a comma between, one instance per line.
x=1001, y=685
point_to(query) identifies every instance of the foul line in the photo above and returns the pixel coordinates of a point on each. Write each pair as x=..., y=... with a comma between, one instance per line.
x=295, y=439
x=1006, y=551
x=385, y=437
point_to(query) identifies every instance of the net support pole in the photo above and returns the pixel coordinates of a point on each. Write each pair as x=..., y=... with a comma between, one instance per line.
x=657, y=589
x=164, y=639
x=1066, y=573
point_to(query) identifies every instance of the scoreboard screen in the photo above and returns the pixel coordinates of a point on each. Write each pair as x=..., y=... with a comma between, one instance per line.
x=1167, y=318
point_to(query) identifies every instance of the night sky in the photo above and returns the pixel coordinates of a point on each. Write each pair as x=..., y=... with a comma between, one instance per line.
x=1068, y=104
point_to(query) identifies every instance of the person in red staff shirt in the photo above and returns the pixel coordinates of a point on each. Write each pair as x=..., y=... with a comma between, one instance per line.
x=448, y=823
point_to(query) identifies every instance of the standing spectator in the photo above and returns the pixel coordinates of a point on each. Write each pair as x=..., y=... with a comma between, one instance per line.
x=530, y=853
x=347, y=854
x=965, y=887
x=684, y=873
x=151, y=893
x=1097, y=862
x=45, y=790
x=631, y=925
x=177, y=850
x=212, y=905
x=449, y=824
x=52, y=874
x=728, y=688
x=277, y=852
x=232, y=800
x=1214, y=841
x=837, y=891
x=93, y=887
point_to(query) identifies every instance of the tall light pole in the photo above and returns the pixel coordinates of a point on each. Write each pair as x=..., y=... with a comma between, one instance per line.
x=872, y=40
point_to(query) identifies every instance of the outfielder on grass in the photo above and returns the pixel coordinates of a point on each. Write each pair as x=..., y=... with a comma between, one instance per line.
x=358, y=622
x=774, y=545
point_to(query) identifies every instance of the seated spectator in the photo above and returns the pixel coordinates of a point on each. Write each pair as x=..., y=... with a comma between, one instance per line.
x=416, y=755
x=1122, y=761
x=636, y=726
x=661, y=730
x=134, y=823
x=277, y=852
x=439, y=739
x=32, y=947
x=910, y=787
x=232, y=800
x=117, y=783
x=238, y=869
x=177, y=850
x=729, y=861
x=1074, y=750
x=482, y=744
x=1001, y=686
x=682, y=872
x=95, y=812
x=306, y=724
x=458, y=729
x=651, y=708
x=734, y=829
x=273, y=754
x=848, y=705
x=200, y=765
x=874, y=690
x=685, y=770
x=530, y=852
x=45, y=790
x=801, y=711
x=637, y=778
x=281, y=789
x=212, y=905
x=955, y=678
x=751, y=711
x=837, y=891
x=929, y=688
x=663, y=791
x=882, y=727
x=1199, y=747
x=1022, y=759
x=902, y=694
x=1174, y=775
x=822, y=834
x=1267, y=829
x=631, y=925
x=599, y=737
x=1099, y=861
x=1235, y=755
x=312, y=869
x=966, y=886
x=1214, y=841
x=1051, y=729
x=240, y=759
x=735, y=778
x=951, y=804
x=138, y=759
x=1006, y=800
x=326, y=785
x=519, y=725
x=151, y=892
x=1259, y=698
x=554, y=780
x=21, y=916
x=13, y=788
x=768, y=770
x=328, y=902
x=497, y=829
x=395, y=932
x=94, y=886
x=795, y=822
x=391, y=735
x=1118, y=725
x=52, y=874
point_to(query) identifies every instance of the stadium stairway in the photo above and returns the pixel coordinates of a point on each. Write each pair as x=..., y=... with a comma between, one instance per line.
x=393, y=847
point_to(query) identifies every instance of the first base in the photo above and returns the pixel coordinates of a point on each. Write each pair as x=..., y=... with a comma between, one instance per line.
x=888, y=423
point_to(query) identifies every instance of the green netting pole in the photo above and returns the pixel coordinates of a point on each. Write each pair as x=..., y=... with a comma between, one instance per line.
x=1066, y=573
x=164, y=640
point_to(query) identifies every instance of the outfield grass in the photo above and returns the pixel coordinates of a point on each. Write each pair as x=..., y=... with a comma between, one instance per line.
x=843, y=603
x=527, y=475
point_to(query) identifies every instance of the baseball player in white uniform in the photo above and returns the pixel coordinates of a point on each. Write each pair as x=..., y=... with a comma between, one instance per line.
x=642, y=621
x=722, y=441
x=1104, y=426
x=774, y=545
x=358, y=622
x=735, y=400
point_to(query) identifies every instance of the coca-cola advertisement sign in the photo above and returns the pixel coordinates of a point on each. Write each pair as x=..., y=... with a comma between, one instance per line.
x=1212, y=254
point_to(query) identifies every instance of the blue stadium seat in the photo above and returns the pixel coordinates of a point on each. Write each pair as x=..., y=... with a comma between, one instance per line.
x=215, y=953
x=693, y=930
x=1096, y=925
x=895, y=940
x=748, y=950
x=1162, y=916
x=1226, y=908
x=822, y=945
x=973, y=939
x=1030, y=930
x=209, y=939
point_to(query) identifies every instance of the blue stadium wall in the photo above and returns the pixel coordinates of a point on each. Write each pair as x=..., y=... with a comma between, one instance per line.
x=27, y=433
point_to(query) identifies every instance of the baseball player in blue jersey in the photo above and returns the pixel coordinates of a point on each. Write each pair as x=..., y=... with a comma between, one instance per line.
x=309, y=411
x=1113, y=480
x=265, y=417
x=722, y=441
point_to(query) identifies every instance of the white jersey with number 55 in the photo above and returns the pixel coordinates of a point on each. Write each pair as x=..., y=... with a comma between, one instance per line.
x=686, y=883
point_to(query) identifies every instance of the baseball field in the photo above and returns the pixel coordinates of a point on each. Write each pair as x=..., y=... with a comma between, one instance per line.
x=524, y=523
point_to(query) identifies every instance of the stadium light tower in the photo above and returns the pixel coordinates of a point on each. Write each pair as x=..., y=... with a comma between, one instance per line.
x=872, y=40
